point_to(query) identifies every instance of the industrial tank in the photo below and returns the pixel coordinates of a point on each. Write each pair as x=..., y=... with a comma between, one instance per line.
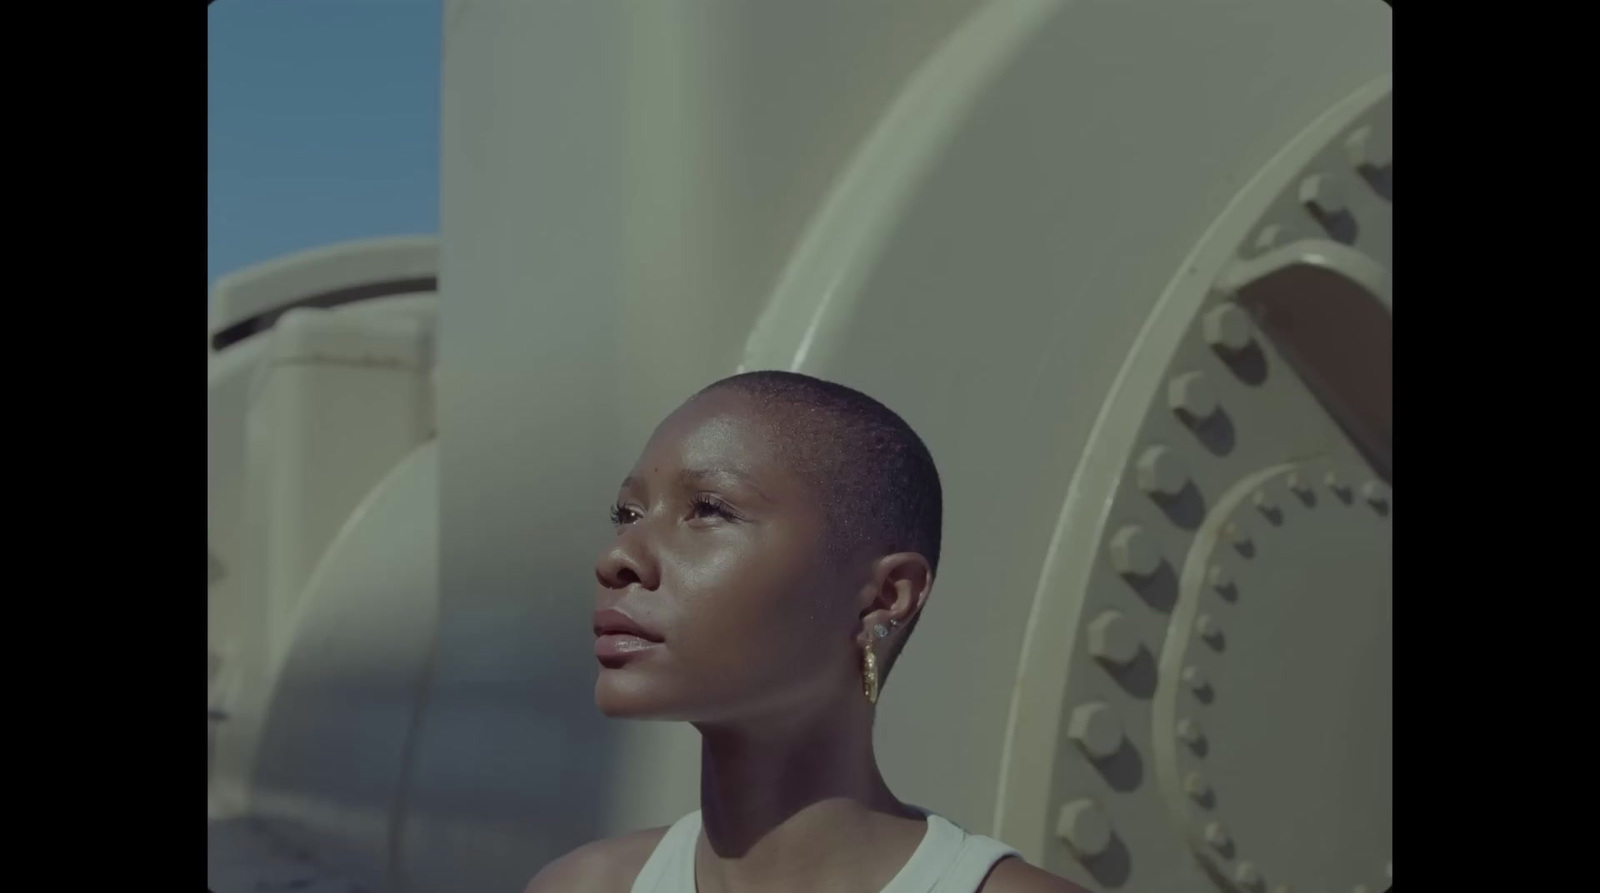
x=1124, y=266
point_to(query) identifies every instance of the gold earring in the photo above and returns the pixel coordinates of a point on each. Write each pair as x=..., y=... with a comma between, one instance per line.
x=869, y=674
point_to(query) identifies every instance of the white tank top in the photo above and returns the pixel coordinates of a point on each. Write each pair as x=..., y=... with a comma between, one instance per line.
x=949, y=860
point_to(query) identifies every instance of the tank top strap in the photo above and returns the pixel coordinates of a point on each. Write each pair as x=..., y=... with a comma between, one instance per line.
x=670, y=868
x=950, y=860
x=975, y=859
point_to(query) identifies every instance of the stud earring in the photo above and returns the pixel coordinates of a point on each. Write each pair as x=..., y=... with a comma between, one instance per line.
x=881, y=630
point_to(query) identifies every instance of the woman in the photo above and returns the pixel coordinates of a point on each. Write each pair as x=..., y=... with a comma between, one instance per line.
x=775, y=544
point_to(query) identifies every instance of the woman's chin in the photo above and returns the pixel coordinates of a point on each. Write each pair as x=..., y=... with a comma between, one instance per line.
x=621, y=697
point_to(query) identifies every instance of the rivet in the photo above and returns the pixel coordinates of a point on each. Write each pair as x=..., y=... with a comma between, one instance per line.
x=1208, y=627
x=1196, y=787
x=1195, y=678
x=1216, y=835
x=1264, y=502
x=1321, y=195
x=1247, y=875
x=1368, y=150
x=1375, y=493
x=1160, y=473
x=1190, y=395
x=1133, y=553
x=1298, y=483
x=1235, y=533
x=1096, y=730
x=1271, y=236
x=1113, y=639
x=1219, y=578
x=1189, y=732
x=1227, y=328
x=1084, y=828
x=1336, y=484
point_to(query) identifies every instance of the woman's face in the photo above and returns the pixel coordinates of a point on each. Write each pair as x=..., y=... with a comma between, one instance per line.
x=719, y=558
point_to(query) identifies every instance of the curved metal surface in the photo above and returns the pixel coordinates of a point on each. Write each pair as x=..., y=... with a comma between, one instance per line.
x=1273, y=716
x=336, y=739
x=1262, y=417
x=249, y=301
x=336, y=746
x=304, y=421
x=822, y=283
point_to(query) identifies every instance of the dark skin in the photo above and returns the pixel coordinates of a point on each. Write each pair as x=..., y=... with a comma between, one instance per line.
x=720, y=552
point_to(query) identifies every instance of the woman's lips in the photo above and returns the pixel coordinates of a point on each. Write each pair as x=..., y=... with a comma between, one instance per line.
x=620, y=646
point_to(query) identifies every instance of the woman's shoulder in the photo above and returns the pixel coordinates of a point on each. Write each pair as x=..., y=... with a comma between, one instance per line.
x=604, y=866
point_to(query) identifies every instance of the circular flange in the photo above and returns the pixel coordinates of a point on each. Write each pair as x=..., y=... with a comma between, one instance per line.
x=1274, y=697
x=1201, y=401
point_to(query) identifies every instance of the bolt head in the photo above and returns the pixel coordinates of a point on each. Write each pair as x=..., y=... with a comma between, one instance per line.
x=1096, y=731
x=1084, y=828
x=1375, y=493
x=1160, y=473
x=1195, y=678
x=1219, y=578
x=1264, y=502
x=1227, y=328
x=1216, y=835
x=1321, y=195
x=1191, y=395
x=1298, y=483
x=1113, y=639
x=1370, y=148
x=1208, y=627
x=1189, y=732
x=1236, y=532
x=1134, y=553
x=1195, y=786
x=1271, y=236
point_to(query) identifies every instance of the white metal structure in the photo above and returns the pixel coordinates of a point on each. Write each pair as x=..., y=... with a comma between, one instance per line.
x=323, y=524
x=1124, y=265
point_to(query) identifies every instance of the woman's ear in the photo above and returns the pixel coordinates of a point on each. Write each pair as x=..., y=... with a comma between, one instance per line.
x=895, y=592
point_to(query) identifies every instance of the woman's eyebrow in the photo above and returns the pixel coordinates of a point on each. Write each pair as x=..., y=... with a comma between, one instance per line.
x=690, y=477
x=693, y=476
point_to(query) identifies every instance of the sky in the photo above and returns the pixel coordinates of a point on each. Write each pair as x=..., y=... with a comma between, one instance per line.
x=323, y=125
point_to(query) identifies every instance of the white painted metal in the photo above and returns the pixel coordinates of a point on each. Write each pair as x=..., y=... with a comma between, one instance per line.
x=399, y=261
x=322, y=521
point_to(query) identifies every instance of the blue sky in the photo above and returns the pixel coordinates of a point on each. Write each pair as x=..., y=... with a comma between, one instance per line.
x=323, y=125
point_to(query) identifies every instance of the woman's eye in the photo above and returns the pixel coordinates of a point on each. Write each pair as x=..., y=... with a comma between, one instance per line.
x=706, y=507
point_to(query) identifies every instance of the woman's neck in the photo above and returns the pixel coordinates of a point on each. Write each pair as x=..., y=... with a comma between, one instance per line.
x=799, y=807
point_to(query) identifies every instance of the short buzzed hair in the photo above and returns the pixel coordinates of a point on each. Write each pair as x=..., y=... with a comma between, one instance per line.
x=875, y=476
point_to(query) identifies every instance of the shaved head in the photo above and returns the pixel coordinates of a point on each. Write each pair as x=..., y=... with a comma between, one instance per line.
x=873, y=476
